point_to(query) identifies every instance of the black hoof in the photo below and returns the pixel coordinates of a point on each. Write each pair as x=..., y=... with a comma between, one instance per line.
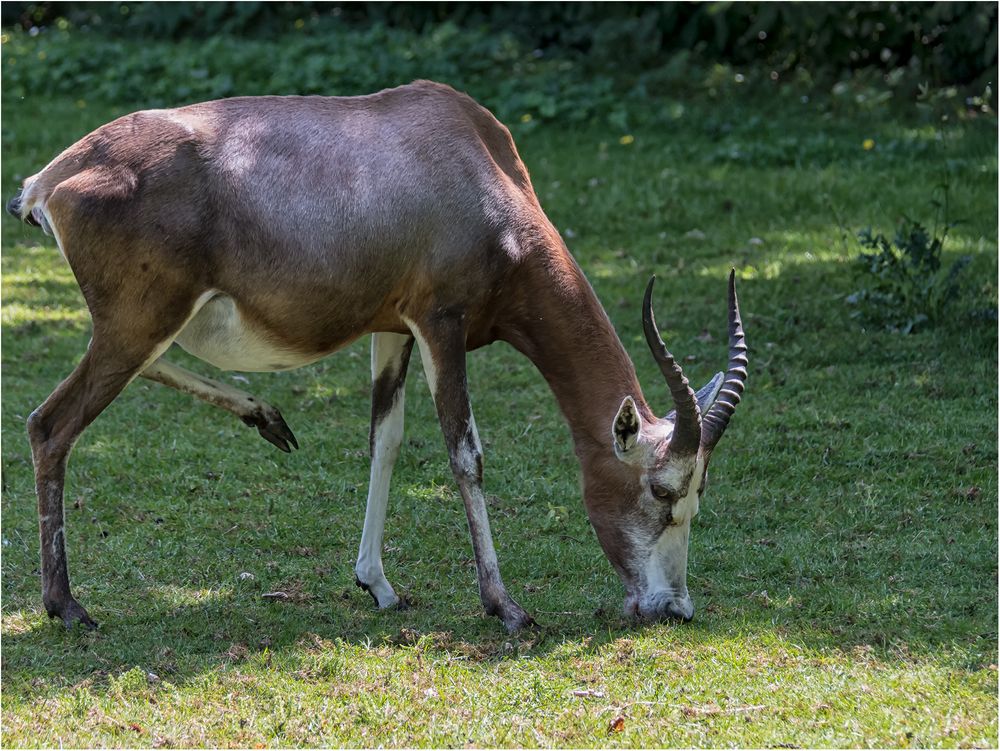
x=520, y=623
x=366, y=588
x=514, y=617
x=401, y=604
x=273, y=429
x=533, y=626
x=72, y=613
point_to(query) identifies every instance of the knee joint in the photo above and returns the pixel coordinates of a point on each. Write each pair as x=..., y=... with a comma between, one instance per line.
x=467, y=463
x=38, y=430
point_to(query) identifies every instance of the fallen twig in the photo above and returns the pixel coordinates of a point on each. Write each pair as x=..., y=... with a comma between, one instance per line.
x=715, y=709
x=588, y=693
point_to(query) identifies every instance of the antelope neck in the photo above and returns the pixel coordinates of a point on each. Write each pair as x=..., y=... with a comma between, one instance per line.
x=563, y=329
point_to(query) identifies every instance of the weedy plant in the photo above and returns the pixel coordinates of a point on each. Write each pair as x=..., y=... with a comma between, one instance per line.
x=906, y=284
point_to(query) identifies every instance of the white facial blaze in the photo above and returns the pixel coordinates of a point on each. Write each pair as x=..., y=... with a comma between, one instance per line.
x=687, y=507
x=665, y=571
x=666, y=567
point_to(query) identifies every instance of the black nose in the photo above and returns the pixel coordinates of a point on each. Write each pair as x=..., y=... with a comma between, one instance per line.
x=667, y=610
x=675, y=614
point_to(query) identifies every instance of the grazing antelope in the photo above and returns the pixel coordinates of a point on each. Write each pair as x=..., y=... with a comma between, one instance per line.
x=263, y=233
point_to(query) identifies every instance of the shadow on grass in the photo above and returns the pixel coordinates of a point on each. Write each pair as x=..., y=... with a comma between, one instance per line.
x=181, y=644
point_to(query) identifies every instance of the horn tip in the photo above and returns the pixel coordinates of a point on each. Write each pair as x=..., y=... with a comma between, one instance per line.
x=647, y=298
x=732, y=287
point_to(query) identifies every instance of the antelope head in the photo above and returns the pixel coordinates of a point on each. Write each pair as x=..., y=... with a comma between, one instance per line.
x=665, y=463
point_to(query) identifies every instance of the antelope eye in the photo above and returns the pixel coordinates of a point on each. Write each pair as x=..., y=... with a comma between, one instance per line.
x=662, y=492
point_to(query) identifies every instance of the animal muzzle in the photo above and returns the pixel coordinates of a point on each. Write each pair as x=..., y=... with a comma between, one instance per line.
x=661, y=606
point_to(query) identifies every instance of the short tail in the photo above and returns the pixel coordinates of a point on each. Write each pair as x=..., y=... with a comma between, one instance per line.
x=14, y=209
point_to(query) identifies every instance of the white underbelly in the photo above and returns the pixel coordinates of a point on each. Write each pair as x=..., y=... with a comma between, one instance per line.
x=218, y=335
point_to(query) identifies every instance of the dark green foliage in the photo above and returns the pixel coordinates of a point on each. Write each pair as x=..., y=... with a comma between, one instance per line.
x=619, y=74
x=496, y=69
x=942, y=43
x=906, y=285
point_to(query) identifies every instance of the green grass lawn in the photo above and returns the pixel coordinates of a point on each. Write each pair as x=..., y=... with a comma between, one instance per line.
x=843, y=565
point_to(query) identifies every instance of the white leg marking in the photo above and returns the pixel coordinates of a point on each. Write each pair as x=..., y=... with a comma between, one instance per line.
x=387, y=352
x=479, y=523
x=430, y=371
x=58, y=539
x=220, y=394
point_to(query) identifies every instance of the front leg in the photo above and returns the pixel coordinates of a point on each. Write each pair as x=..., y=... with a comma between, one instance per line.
x=441, y=338
x=390, y=358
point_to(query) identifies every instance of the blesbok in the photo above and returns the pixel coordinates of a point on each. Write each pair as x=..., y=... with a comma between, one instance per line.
x=263, y=233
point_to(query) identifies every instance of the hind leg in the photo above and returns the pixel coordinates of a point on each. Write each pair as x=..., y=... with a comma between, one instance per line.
x=117, y=353
x=254, y=412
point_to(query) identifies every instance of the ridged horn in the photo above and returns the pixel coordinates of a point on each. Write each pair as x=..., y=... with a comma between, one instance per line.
x=717, y=418
x=687, y=425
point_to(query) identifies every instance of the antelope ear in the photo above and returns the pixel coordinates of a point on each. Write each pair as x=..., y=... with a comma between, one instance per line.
x=627, y=425
x=708, y=393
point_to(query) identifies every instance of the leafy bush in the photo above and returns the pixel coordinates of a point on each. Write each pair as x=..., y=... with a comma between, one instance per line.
x=941, y=42
x=906, y=285
x=521, y=86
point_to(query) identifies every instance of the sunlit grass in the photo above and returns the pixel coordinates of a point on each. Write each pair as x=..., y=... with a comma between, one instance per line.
x=16, y=314
x=38, y=287
x=843, y=563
